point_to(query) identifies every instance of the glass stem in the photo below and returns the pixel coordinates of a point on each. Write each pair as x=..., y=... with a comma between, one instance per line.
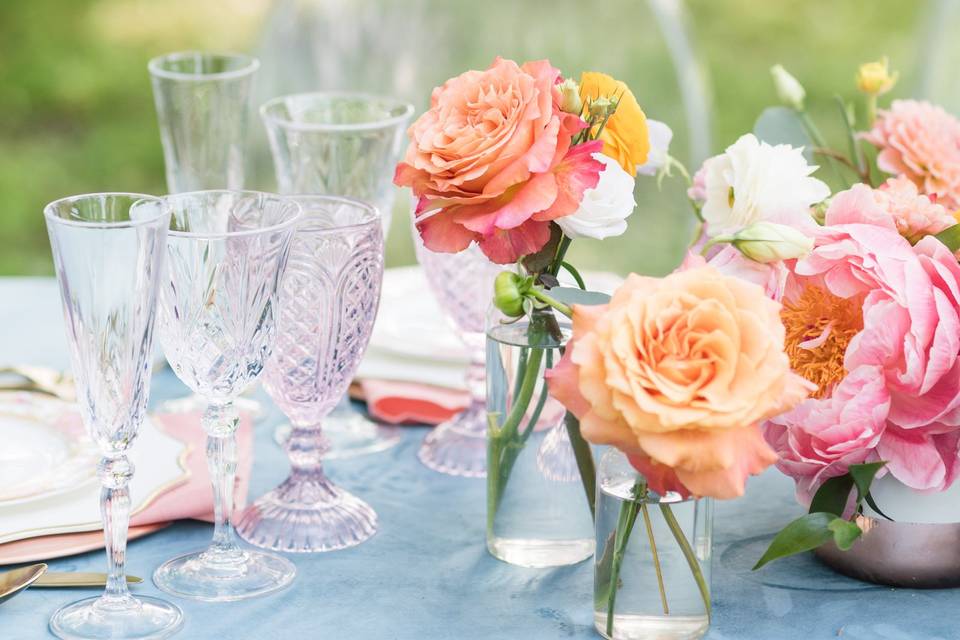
x=115, y=474
x=220, y=421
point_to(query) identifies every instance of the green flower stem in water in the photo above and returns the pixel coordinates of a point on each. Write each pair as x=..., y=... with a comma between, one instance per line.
x=690, y=556
x=584, y=457
x=625, y=522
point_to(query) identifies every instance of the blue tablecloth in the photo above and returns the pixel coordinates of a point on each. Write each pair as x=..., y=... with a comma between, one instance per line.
x=427, y=574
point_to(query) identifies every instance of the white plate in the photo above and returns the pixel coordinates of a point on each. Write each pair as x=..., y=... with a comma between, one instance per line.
x=160, y=464
x=411, y=323
x=45, y=449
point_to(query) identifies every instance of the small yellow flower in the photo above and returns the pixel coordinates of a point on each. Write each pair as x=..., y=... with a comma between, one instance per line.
x=625, y=136
x=875, y=79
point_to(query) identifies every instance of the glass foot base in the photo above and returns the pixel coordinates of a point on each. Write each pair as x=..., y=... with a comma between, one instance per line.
x=246, y=574
x=136, y=618
x=189, y=404
x=307, y=517
x=636, y=627
x=352, y=436
x=458, y=447
x=537, y=554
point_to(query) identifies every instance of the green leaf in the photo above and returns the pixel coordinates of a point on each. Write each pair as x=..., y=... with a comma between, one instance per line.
x=845, y=533
x=863, y=475
x=572, y=295
x=832, y=496
x=803, y=534
x=950, y=237
x=782, y=125
x=873, y=505
x=539, y=261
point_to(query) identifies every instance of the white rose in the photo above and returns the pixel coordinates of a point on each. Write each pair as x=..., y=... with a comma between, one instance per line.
x=604, y=209
x=753, y=181
x=660, y=137
x=768, y=242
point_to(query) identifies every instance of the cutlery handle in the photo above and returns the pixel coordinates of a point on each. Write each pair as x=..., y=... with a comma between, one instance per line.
x=53, y=579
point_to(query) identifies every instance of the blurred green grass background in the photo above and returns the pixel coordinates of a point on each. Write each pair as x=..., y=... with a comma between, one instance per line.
x=77, y=115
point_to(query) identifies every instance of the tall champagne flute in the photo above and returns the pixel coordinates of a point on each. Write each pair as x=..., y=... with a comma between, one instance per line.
x=340, y=144
x=203, y=104
x=203, y=110
x=108, y=251
x=226, y=252
x=329, y=295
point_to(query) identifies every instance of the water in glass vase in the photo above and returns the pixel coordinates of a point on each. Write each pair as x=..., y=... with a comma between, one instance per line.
x=652, y=567
x=537, y=513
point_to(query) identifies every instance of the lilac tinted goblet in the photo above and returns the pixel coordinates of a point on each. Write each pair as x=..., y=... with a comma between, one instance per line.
x=329, y=299
x=108, y=252
x=340, y=144
x=463, y=285
x=226, y=252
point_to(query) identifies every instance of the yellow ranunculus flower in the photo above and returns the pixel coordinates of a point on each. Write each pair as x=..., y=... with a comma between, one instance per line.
x=625, y=136
x=874, y=78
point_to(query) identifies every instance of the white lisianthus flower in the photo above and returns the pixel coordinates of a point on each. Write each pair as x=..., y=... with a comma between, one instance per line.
x=604, y=209
x=660, y=137
x=770, y=242
x=753, y=181
x=789, y=89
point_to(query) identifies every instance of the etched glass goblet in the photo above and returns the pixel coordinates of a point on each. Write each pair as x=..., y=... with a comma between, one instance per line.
x=340, y=144
x=108, y=251
x=329, y=299
x=226, y=253
x=463, y=285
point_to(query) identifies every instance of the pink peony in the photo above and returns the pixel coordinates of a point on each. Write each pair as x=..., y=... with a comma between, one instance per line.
x=875, y=323
x=491, y=162
x=920, y=141
x=914, y=213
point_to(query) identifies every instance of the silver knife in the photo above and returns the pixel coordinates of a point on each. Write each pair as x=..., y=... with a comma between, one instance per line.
x=52, y=579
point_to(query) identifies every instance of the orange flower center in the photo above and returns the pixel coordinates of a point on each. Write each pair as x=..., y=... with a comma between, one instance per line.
x=806, y=319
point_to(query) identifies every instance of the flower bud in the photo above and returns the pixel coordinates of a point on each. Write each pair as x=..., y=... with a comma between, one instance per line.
x=770, y=242
x=874, y=78
x=508, y=294
x=570, y=101
x=789, y=89
x=601, y=108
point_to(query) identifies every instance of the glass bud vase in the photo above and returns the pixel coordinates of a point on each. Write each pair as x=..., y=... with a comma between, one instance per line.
x=652, y=566
x=537, y=512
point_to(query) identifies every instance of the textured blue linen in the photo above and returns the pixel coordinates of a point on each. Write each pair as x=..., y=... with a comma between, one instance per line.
x=426, y=573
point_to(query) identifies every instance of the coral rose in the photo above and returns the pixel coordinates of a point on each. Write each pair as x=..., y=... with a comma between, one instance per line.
x=921, y=141
x=626, y=137
x=491, y=161
x=678, y=372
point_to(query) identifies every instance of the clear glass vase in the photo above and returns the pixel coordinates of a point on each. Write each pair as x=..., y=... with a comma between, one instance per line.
x=537, y=512
x=652, y=567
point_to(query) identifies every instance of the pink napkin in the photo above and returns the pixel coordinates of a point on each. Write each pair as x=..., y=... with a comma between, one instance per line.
x=412, y=402
x=194, y=498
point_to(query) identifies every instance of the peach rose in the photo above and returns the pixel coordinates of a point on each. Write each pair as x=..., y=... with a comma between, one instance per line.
x=678, y=372
x=491, y=161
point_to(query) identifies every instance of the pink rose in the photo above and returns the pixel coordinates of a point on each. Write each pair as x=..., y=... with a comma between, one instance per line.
x=921, y=141
x=491, y=162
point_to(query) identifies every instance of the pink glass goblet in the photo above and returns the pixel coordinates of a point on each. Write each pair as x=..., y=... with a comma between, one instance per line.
x=463, y=286
x=329, y=298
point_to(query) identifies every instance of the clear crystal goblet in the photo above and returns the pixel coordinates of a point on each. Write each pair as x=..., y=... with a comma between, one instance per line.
x=226, y=252
x=462, y=284
x=329, y=299
x=203, y=109
x=108, y=251
x=340, y=144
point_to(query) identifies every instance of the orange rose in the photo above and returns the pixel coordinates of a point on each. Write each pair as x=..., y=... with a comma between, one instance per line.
x=678, y=372
x=491, y=161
